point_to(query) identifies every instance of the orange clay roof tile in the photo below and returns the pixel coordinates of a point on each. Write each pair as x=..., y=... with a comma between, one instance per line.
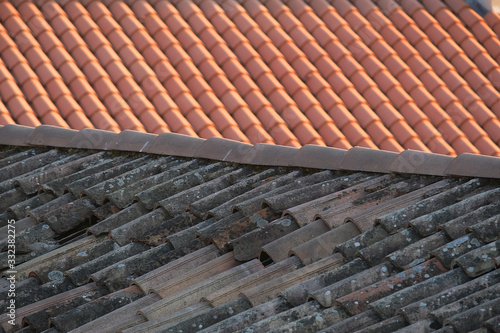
x=290, y=72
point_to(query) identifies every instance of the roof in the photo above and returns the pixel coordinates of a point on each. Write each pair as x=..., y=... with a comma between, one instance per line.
x=384, y=74
x=137, y=232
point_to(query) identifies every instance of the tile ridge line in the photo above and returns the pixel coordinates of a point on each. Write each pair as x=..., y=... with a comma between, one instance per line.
x=222, y=149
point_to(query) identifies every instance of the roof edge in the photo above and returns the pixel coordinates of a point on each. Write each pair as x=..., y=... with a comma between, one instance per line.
x=309, y=156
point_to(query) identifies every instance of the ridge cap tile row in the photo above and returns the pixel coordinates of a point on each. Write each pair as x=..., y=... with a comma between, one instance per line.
x=222, y=149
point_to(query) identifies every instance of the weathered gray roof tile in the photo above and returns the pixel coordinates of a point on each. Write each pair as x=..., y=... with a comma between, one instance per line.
x=278, y=249
x=305, y=213
x=151, y=228
x=151, y=196
x=96, y=308
x=40, y=320
x=374, y=253
x=120, y=274
x=457, y=227
x=121, y=318
x=417, y=252
x=248, y=246
x=327, y=296
x=430, y=285
x=371, y=295
x=62, y=301
x=250, y=316
x=351, y=247
x=389, y=325
x=458, y=247
x=20, y=209
x=298, y=293
x=261, y=190
x=80, y=275
x=426, y=325
x=315, y=321
x=29, y=164
x=123, y=197
x=493, y=323
x=429, y=223
x=480, y=260
x=473, y=318
x=323, y=245
x=146, y=169
x=202, y=206
x=465, y=303
x=192, y=294
x=210, y=316
x=122, y=217
x=282, y=201
x=179, y=203
x=354, y=323
x=224, y=234
x=77, y=187
x=440, y=194
x=31, y=182
x=161, y=275
x=71, y=216
x=487, y=230
x=420, y=309
x=269, y=323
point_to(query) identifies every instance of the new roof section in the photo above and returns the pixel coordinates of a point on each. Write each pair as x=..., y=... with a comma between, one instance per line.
x=135, y=232
x=394, y=75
